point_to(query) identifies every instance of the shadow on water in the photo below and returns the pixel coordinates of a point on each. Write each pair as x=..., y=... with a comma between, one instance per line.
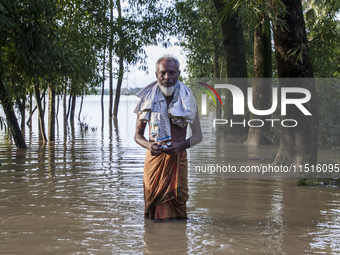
x=84, y=195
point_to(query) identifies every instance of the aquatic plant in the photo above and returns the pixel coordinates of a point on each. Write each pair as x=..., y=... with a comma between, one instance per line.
x=83, y=124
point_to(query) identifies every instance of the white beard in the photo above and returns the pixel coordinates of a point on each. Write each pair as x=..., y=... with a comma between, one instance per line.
x=167, y=91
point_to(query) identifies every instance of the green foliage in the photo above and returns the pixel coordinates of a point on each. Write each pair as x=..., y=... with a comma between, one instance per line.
x=46, y=42
x=323, y=32
x=137, y=24
x=199, y=34
x=311, y=14
x=5, y=20
x=60, y=44
x=297, y=52
x=255, y=12
x=202, y=39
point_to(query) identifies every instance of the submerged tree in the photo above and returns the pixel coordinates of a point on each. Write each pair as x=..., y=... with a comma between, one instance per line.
x=258, y=16
x=298, y=144
x=44, y=43
x=233, y=42
x=323, y=33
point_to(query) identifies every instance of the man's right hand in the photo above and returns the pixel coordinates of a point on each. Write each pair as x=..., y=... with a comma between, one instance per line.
x=156, y=149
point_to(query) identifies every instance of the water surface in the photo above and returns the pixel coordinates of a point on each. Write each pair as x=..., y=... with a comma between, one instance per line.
x=84, y=195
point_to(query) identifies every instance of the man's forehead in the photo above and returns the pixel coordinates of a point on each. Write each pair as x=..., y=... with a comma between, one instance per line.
x=167, y=64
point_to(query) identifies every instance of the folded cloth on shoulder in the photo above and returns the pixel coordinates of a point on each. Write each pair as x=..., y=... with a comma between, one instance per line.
x=152, y=108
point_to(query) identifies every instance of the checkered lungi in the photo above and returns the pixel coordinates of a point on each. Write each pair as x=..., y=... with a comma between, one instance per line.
x=165, y=182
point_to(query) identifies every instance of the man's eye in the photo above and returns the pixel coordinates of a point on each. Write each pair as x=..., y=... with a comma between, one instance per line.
x=172, y=72
x=163, y=73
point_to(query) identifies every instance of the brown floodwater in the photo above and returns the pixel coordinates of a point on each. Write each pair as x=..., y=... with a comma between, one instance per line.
x=84, y=195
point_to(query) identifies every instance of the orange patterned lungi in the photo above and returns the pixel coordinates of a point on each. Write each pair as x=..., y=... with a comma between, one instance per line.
x=165, y=182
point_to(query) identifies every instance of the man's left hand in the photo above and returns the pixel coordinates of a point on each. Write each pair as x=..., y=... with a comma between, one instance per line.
x=173, y=149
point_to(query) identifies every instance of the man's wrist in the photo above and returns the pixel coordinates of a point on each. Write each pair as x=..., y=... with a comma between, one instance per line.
x=150, y=143
x=184, y=145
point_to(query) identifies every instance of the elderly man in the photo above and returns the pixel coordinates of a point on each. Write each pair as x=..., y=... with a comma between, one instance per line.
x=167, y=105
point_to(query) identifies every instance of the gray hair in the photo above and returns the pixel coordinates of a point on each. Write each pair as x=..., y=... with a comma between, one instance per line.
x=167, y=57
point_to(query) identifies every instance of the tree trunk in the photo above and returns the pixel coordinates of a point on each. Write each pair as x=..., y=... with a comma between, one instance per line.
x=121, y=58
x=110, y=85
x=81, y=105
x=65, y=110
x=110, y=61
x=261, y=87
x=56, y=116
x=57, y=108
x=103, y=87
x=299, y=144
x=233, y=43
x=44, y=101
x=69, y=103
x=40, y=112
x=119, y=86
x=73, y=107
x=11, y=118
x=30, y=110
x=29, y=120
x=51, y=114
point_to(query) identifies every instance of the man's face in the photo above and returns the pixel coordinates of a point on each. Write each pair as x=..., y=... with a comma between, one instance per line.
x=167, y=73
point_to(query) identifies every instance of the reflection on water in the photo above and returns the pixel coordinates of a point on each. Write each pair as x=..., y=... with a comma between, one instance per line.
x=84, y=195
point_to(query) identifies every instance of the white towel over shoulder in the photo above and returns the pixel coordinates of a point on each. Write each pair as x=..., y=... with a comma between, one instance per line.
x=152, y=108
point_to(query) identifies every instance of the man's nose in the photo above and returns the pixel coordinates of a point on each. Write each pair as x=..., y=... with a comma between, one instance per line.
x=166, y=76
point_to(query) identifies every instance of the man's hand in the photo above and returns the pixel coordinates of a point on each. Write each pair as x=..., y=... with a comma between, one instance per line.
x=156, y=149
x=173, y=149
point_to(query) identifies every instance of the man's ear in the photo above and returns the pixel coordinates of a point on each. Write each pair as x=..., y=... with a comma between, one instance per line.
x=179, y=73
x=156, y=74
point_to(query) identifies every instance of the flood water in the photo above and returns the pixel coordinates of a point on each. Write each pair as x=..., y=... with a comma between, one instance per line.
x=84, y=195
